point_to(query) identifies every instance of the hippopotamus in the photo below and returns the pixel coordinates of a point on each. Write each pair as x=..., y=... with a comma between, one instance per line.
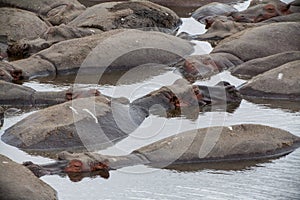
x=225, y=144
x=204, y=13
x=262, y=10
x=30, y=27
x=279, y=83
x=108, y=120
x=55, y=11
x=251, y=68
x=9, y=73
x=117, y=49
x=21, y=96
x=130, y=14
x=252, y=43
x=100, y=18
x=26, y=47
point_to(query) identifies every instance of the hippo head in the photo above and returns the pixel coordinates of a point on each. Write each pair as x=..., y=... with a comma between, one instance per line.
x=261, y=12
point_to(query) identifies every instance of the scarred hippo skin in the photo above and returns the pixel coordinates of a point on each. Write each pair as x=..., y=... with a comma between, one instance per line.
x=104, y=50
x=14, y=95
x=280, y=83
x=30, y=27
x=55, y=11
x=254, y=67
x=235, y=143
x=104, y=121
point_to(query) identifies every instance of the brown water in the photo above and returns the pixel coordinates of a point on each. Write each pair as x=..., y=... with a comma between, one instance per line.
x=274, y=179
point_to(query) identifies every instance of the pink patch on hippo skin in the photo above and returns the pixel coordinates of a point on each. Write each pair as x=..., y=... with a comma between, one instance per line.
x=74, y=166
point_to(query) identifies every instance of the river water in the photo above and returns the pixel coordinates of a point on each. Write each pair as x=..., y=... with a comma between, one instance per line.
x=273, y=179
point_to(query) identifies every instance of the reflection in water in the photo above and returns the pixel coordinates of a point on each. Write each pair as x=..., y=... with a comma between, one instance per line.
x=290, y=106
x=122, y=77
x=76, y=177
x=226, y=166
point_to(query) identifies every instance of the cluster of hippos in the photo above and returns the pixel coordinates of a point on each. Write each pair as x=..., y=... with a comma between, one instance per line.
x=53, y=38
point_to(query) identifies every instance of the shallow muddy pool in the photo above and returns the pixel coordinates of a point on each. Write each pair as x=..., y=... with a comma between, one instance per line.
x=273, y=179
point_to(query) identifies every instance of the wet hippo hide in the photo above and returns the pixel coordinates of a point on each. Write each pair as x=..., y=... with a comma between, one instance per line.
x=254, y=67
x=279, y=83
x=17, y=24
x=117, y=49
x=206, y=145
x=181, y=95
x=204, y=66
x=54, y=11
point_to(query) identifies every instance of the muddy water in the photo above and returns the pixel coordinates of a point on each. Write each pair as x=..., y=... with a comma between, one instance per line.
x=273, y=179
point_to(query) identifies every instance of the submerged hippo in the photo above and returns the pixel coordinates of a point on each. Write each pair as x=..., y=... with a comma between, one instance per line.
x=98, y=122
x=14, y=95
x=206, y=145
x=119, y=50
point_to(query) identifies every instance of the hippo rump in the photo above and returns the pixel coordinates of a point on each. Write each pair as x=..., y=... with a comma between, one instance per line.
x=252, y=43
x=30, y=27
x=55, y=11
x=97, y=122
x=280, y=83
x=117, y=49
x=206, y=145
